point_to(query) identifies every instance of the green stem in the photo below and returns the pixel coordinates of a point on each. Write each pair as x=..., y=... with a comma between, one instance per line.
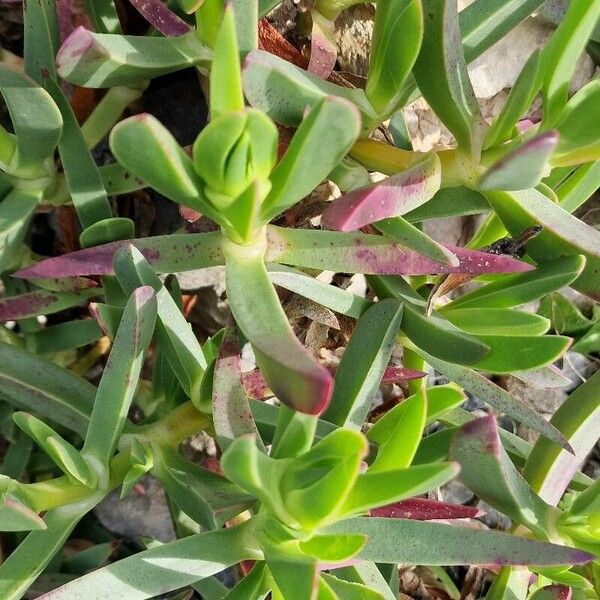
x=172, y=429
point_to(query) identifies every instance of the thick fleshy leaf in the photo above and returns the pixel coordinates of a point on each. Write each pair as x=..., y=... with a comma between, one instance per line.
x=64, y=455
x=120, y=378
x=173, y=333
x=104, y=60
x=16, y=211
x=36, y=120
x=497, y=321
x=396, y=41
x=332, y=548
x=363, y=363
x=166, y=567
x=374, y=254
x=441, y=74
x=322, y=139
x=293, y=574
x=391, y=197
x=295, y=377
x=16, y=516
x=41, y=39
x=519, y=100
x=41, y=302
x=450, y=202
x=83, y=177
x=433, y=333
x=381, y=488
x=166, y=254
x=549, y=469
x=514, y=290
x=563, y=234
x=440, y=544
x=107, y=230
x=226, y=93
x=579, y=186
x=509, y=354
x=294, y=433
x=562, y=53
x=409, y=235
x=578, y=123
x=495, y=479
x=284, y=91
x=339, y=588
x=552, y=592
x=230, y=408
x=103, y=14
x=207, y=497
x=398, y=434
x=323, y=49
x=481, y=387
x=161, y=18
x=522, y=168
x=37, y=385
x=423, y=509
x=164, y=165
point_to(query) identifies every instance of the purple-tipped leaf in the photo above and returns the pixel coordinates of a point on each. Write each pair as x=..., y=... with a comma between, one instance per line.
x=166, y=254
x=160, y=17
x=552, y=592
x=40, y=302
x=391, y=197
x=494, y=478
x=522, y=168
x=323, y=49
x=423, y=509
x=374, y=255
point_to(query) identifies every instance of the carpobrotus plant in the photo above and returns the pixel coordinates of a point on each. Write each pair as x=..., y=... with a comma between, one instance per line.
x=314, y=495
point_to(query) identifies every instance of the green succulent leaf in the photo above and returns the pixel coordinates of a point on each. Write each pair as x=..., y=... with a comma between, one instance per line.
x=163, y=164
x=440, y=544
x=294, y=433
x=549, y=469
x=363, y=363
x=107, y=230
x=173, y=333
x=284, y=91
x=101, y=60
x=120, y=378
x=83, y=177
x=36, y=120
x=498, y=321
x=208, y=498
x=322, y=139
x=372, y=490
x=481, y=387
x=226, y=93
x=520, y=98
x=563, y=314
x=395, y=46
x=41, y=39
x=398, y=433
x=495, y=479
x=104, y=15
x=563, y=234
x=332, y=548
x=166, y=567
x=15, y=515
x=562, y=53
x=578, y=187
x=577, y=124
x=441, y=74
x=450, y=202
x=64, y=455
x=523, y=167
x=514, y=290
x=16, y=211
x=38, y=385
x=349, y=590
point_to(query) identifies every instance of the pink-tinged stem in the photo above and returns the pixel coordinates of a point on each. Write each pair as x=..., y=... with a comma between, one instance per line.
x=422, y=509
x=392, y=197
x=160, y=17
